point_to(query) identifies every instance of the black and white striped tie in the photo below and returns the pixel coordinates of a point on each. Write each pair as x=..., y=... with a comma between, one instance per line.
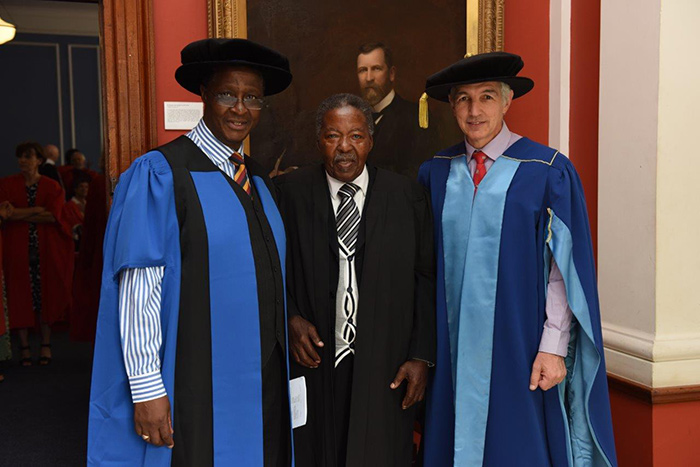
x=347, y=219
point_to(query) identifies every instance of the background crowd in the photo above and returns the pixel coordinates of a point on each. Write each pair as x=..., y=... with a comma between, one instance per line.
x=52, y=225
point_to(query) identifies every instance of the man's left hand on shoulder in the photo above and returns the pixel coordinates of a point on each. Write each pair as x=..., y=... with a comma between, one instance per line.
x=548, y=370
x=416, y=373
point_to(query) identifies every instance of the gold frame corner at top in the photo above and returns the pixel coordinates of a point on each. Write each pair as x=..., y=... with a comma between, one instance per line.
x=485, y=26
x=227, y=18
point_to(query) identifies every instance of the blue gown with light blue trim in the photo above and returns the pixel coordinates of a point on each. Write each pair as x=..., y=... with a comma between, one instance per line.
x=493, y=252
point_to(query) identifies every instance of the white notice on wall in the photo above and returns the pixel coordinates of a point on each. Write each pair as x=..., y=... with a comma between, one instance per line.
x=297, y=396
x=182, y=115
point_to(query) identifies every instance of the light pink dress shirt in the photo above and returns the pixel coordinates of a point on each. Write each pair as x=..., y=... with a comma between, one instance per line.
x=555, y=337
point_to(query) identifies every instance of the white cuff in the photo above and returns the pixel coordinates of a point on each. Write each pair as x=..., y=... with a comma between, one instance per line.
x=146, y=387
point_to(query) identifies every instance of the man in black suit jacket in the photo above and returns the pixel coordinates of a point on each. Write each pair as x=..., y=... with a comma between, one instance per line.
x=48, y=167
x=361, y=296
x=400, y=145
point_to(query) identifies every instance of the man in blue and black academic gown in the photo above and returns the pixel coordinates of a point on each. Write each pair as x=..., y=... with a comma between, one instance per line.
x=520, y=374
x=190, y=351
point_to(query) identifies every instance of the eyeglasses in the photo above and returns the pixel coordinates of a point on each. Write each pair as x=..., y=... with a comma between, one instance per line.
x=227, y=100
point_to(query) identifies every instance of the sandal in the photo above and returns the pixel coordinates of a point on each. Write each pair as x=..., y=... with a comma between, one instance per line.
x=26, y=361
x=43, y=361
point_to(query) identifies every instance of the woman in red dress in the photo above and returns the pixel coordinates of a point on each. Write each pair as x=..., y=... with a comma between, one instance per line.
x=38, y=251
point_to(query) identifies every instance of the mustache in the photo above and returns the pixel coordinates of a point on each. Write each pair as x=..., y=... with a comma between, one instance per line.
x=369, y=89
x=345, y=157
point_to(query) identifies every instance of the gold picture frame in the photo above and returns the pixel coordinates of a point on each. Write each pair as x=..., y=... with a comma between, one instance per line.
x=285, y=135
x=484, y=23
x=227, y=18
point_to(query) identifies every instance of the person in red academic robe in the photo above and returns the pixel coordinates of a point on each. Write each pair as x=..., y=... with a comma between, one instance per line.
x=74, y=209
x=88, y=266
x=38, y=251
x=75, y=169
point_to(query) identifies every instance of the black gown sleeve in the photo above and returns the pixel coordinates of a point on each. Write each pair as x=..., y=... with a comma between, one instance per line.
x=285, y=205
x=423, y=335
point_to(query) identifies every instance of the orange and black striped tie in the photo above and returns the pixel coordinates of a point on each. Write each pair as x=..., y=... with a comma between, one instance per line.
x=241, y=174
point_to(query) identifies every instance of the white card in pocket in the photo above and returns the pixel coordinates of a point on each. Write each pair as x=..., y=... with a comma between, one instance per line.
x=297, y=397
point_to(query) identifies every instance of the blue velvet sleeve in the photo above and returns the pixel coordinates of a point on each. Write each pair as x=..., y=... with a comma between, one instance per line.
x=142, y=214
x=585, y=389
x=142, y=231
x=570, y=234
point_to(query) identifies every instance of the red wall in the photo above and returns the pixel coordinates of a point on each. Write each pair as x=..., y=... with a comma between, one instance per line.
x=527, y=34
x=632, y=425
x=176, y=24
x=677, y=434
x=583, y=123
x=661, y=435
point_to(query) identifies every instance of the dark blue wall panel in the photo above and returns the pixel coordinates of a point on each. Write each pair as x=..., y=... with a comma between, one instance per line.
x=29, y=85
x=86, y=115
x=37, y=103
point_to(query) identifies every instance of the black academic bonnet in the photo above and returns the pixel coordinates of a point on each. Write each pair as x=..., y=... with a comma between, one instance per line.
x=492, y=66
x=199, y=57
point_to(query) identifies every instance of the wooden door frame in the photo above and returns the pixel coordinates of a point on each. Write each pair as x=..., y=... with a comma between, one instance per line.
x=128, y=83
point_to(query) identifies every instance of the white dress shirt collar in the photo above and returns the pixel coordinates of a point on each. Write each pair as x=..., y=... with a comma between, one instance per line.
x=495, y=148
x=361, y=181
x=384, y=103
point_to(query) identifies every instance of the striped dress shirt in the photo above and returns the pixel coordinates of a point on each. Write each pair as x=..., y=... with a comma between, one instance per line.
x=140, y=296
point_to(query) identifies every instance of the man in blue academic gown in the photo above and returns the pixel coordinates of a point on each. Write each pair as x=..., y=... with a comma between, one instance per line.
x=190, y=352
x=520, y=375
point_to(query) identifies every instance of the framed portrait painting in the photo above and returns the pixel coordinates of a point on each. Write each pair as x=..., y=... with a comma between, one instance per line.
x=323, y=41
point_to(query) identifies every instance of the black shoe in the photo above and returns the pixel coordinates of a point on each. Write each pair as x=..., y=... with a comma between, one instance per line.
x=43, y=361
x=26, y=361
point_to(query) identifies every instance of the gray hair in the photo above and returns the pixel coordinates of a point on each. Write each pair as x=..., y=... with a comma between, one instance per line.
x=505, y=91
x=338, y=101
